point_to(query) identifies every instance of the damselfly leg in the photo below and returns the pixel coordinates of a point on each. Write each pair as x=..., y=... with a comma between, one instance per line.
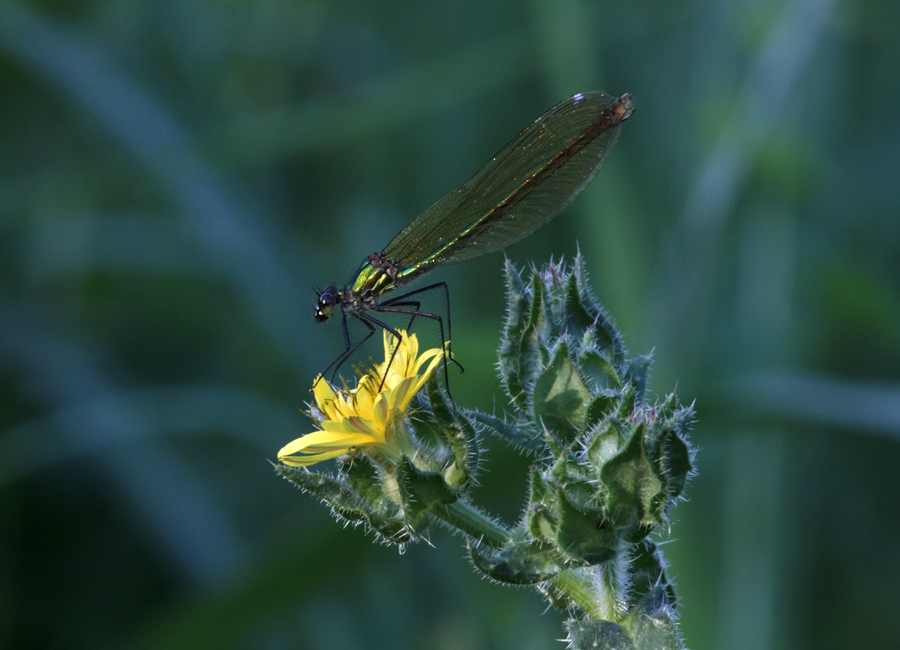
x=401, y=305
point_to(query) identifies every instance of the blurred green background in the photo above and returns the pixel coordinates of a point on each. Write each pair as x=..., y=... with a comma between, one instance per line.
x=176, y=178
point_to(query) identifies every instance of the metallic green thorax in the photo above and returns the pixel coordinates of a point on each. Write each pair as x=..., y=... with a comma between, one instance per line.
x=377, y=275
x=371, y=280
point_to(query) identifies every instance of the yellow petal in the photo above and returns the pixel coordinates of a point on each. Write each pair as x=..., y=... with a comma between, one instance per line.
x=322, y=390
x=365, y=400
x=319, y=441
x=358, y=425
x=382, y=410
x=401, y=395
x=352, y=418
x=309, y=459
x=433, y=357
x=325, y=397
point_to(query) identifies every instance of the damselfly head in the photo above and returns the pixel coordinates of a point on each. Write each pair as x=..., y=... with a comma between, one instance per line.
x=328, y=298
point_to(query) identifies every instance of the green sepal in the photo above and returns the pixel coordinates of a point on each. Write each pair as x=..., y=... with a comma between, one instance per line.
x=518, y=309
x=596, y=634
x=555, y=598
x=426, y=428
x=651, y=623
x=517, y=563
x=539, y=517
x=537, y=334
x=604, y=442
x=537, y=317
x=446, y=434
x=394, y=516
x=603, y=404
x=578, y=320
x=636, y=375
x=346, y=503
x=397, y=530
x=635, y=493
x=648, y=571
x=670, y=452
x=561, y=467
x=680, y=459
x=425, y=489
x=598, y=371
x=580, y=486
x=627, y=403
x=607, y=337
x=583, y=533
x=560, y=398
x=669, y=408
x=365, y=479
x=379, y=513
x=459, y=434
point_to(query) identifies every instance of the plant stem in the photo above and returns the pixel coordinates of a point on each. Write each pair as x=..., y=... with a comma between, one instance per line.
x=472, y=522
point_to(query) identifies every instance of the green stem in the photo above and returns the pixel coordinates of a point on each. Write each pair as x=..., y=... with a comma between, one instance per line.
x=472, y=522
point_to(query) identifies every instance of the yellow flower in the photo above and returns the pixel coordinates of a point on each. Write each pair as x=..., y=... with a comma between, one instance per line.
x=364, y=415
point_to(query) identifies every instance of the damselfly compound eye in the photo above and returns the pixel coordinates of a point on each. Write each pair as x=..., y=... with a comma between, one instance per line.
x=326, y=303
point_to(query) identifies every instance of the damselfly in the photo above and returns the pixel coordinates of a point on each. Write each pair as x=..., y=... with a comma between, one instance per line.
x=520, y=189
